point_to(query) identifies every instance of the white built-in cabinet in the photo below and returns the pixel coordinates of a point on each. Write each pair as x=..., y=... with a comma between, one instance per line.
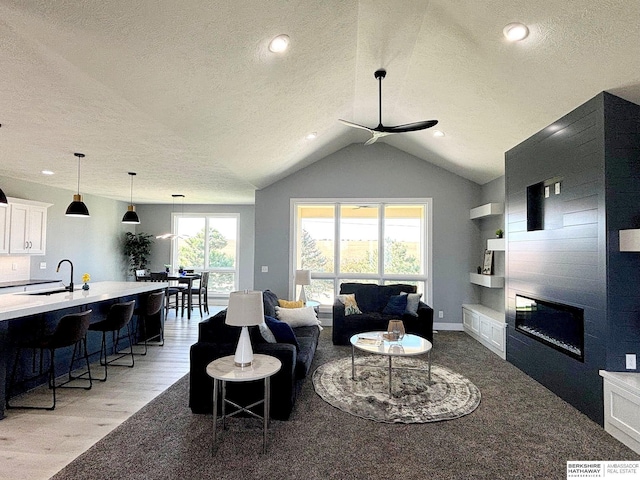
x=487, y=326
x=5, y=218
x=622, y=407
x=27, y=227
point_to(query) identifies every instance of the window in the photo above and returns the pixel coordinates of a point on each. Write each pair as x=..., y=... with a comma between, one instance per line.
x=208, y=242
x=369, y=241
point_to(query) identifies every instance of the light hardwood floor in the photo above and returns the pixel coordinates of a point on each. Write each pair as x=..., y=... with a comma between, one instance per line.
x=36, y=444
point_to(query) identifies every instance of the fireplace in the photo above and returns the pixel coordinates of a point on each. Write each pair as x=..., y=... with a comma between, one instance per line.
x=557, y=325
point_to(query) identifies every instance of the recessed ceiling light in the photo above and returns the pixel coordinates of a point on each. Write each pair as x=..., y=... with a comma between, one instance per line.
x=46, y=172
x=438, y=133
x=279, y=44
x=515, y=32
x=311, y=136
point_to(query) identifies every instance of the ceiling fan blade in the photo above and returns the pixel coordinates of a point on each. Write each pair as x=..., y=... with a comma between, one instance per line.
x=410, y=127
x=351, y=124
x=376, y=136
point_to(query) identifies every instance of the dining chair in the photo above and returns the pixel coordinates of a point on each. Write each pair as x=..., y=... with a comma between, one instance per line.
x=173, y=291
x=198, y=292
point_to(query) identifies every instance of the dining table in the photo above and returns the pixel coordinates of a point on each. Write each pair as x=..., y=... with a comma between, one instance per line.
x=185, y=279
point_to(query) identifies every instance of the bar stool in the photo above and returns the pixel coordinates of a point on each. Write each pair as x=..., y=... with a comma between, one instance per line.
x=201, y=292
x=70, y=330
x=152, y=307
x=118, y=317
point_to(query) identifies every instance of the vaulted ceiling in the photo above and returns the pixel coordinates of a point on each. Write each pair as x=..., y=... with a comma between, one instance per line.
x=187, y=95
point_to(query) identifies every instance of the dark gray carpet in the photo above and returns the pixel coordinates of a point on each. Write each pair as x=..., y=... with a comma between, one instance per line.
x=520, y=430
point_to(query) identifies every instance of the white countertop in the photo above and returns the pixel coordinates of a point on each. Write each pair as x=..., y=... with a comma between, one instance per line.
x=628, y=380
x=16, y=305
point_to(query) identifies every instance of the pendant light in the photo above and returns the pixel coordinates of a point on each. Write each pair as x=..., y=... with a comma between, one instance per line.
x=77, y=208
x=173, y=236
x=131, y=216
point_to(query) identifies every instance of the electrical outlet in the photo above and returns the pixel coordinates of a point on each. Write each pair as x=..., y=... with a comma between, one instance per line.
x=265, y=269
x=557, y=188
x=43, y=265
x=440, y=314
x=631, y=361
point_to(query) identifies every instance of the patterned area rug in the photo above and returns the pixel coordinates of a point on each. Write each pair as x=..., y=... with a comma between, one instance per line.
x=413, y=400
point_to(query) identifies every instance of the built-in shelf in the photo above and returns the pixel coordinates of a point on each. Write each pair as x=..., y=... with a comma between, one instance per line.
x=489, y=281
x=496, y=244
x=487, y=210
x=630, y=240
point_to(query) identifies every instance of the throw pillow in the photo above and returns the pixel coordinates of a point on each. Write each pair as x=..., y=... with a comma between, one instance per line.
x=413, y=300
x=290, y=303
x=349, y=302
x=269, y=300
x=281, y=331
x=266, y=333
x=396, y=306
x=298, y=317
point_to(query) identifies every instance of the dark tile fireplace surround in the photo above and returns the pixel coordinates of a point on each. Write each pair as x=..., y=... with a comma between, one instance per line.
x=573, y=306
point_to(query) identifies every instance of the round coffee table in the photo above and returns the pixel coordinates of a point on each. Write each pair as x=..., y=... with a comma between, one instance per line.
x=375, y=343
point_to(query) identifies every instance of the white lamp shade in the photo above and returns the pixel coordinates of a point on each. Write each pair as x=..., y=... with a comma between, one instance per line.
x=303, y=277
x=245, y=309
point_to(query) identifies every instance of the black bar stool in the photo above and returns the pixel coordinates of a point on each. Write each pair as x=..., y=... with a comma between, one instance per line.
x=70, y=330
x=118, y=317
x=172, y=291
x=152, y=306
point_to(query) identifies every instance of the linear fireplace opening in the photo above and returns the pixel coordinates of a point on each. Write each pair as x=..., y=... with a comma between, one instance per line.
x=557, y=325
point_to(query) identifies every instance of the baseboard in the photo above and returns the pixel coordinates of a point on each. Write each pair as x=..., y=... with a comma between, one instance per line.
x=454, y=327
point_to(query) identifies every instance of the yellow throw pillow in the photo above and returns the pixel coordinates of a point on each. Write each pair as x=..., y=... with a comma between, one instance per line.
x=290, y=303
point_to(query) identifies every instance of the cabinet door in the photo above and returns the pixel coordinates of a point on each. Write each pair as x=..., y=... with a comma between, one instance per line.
x=18, y=242
x=5, y=217
x=470, y=320
x=37, y=230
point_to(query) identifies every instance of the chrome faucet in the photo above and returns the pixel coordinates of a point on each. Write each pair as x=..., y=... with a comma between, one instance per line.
x=70, y=287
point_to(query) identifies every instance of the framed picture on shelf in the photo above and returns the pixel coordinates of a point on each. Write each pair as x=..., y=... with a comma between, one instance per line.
x=487, y=265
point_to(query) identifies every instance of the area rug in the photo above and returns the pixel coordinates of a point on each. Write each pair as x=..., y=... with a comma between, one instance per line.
x=413, y=400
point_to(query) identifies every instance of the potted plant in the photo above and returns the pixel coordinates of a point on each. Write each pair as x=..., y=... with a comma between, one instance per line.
x=499, y=233
x=137, y=249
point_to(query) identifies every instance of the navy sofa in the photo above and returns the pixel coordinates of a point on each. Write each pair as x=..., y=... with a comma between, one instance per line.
x=216, y=339
x=372, y=300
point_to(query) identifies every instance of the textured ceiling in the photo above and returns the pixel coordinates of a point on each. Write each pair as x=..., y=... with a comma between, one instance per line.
x=187, y=94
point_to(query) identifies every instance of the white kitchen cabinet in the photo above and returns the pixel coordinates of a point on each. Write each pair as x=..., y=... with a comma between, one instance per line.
x=28, y=227
x=487, y=326
x=5, y=217
x=622, y=407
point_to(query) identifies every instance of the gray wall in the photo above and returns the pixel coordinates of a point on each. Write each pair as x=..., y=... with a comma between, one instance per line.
x=92, y=244
x=378, y=171
x=492, y=192
x=156, y=220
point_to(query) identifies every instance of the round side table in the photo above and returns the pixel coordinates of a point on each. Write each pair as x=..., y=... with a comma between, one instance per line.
x=223, y=370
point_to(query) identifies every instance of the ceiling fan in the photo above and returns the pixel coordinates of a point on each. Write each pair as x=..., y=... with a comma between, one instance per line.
x=381, y=130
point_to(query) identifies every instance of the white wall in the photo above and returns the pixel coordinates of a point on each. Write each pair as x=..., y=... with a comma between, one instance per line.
x=378, y=170
x=156, y=220
x=93, y=244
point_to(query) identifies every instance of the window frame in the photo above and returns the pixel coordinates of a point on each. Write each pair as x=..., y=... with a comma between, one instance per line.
x=175, y=216
x=379, y=277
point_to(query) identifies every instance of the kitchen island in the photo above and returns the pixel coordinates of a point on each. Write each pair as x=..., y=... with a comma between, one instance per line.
x=29, y=311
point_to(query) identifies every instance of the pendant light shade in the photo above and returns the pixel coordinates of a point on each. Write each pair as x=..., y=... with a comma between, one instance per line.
x=77, y=208
x=131, y=216
x=3, y=199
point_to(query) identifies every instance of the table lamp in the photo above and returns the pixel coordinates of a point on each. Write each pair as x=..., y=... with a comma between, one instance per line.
x=245, y=309
x=302, y=278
